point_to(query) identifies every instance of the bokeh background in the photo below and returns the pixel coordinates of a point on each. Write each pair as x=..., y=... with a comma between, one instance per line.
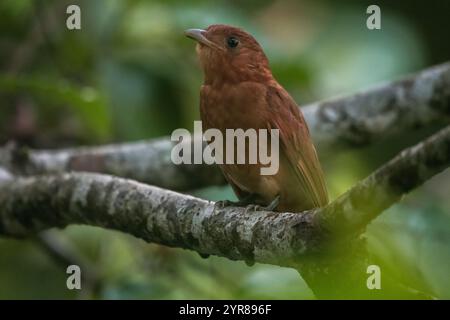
x=131, y=74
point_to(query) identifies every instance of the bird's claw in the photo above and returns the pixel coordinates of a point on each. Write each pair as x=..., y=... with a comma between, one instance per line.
x=248, y=206
x=226, y=203
x=256, y=207
x=275, y=202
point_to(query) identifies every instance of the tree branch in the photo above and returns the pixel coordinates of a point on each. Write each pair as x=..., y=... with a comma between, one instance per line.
x=367, y=199
x=413, y=102
x=156, y=215
x=145, y=161
x=5, y=175
x=418, y=101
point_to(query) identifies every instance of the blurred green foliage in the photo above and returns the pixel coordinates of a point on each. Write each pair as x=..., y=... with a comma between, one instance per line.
x=131, y=74
x=86, y=102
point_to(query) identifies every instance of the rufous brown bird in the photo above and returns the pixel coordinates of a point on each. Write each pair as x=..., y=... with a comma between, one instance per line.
x=239, y=91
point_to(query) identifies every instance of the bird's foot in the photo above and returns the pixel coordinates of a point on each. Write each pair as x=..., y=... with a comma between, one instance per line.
x=227, y=203
x=249, y=204
x=256, y=207
x=248, y=200
x=275, y=202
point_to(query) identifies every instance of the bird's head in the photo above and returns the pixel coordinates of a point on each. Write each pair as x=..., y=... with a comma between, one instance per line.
x=230, y=55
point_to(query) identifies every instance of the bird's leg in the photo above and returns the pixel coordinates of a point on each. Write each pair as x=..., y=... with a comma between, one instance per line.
x=250, y=202
x=224, y=203
x=275, y=202
x=245, y=201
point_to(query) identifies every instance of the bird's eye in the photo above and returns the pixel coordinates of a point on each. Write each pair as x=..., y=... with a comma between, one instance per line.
x=232, y=42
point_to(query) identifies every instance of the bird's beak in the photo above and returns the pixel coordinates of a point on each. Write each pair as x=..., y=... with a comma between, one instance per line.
x=199, y=36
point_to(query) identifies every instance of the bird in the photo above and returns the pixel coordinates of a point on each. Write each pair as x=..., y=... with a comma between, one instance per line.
x=240, y=91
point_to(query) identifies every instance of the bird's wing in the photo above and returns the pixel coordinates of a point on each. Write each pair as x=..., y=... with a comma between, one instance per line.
x=296, y=144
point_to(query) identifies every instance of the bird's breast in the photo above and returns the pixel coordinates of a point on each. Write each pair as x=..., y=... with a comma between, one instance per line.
x=233, y=106
x=242, y=106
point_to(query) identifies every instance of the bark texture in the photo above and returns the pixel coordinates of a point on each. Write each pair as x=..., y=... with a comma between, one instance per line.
x=32, y=204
